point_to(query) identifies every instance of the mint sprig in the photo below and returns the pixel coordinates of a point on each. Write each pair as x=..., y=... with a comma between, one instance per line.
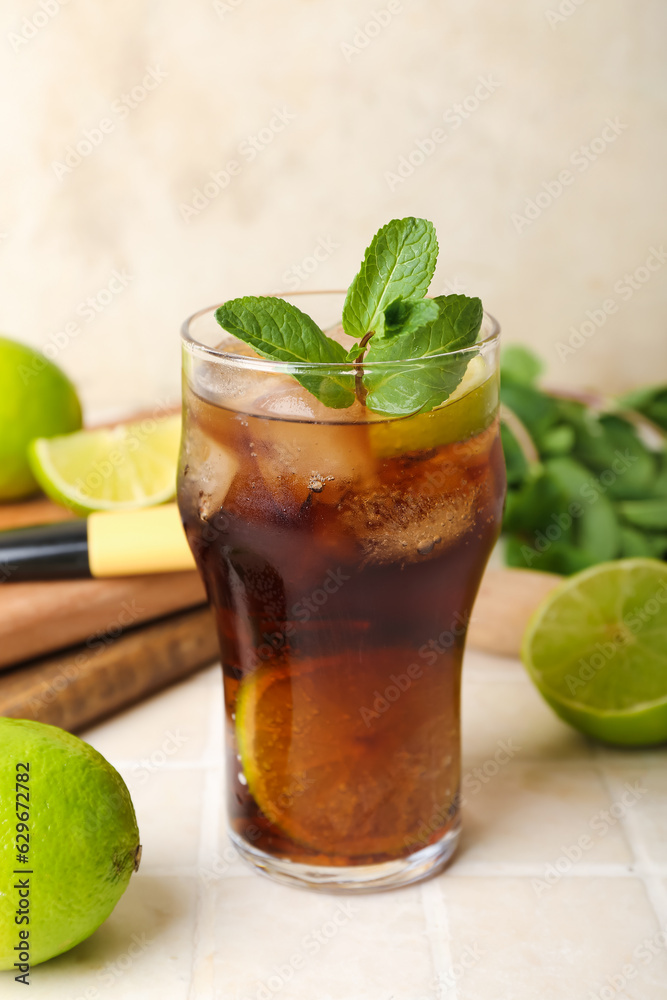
x=277, y=330
x=399, y=264
x=386, y=312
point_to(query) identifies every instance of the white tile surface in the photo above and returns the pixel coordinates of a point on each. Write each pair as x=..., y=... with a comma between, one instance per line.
x=144, y=950
x=519, y=915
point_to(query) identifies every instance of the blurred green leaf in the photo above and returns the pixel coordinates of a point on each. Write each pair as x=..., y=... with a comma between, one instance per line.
x=650, y=514
x=537, y=412
x=559, y=440
x=634, y=543
x=658, y=545
x=516, y=462
x=600, y=491
x=651, y=401
x=611, y=447
x=561, y=557
x=595, y=523
x=530, y=507
x=520, y=364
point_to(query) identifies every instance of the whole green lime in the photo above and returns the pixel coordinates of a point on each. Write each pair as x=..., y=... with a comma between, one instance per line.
x=36, y=400
x=69, y=841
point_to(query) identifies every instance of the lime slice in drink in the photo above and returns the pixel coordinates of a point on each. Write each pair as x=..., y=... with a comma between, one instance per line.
x=468, y=411
x=596, y=649
x=119, y=468
x=338, y=780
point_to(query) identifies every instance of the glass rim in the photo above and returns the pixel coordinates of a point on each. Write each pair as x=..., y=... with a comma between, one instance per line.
x=195, y=346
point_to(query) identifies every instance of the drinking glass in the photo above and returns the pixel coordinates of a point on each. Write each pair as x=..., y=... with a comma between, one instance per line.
x=341, y=551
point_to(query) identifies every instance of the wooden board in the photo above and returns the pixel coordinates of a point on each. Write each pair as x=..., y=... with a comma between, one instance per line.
x=505, y=602
x=81, y=686
x=38, y=618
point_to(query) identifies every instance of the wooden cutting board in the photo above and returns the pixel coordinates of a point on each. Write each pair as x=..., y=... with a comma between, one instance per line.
x=75, y=688
x=505, y=602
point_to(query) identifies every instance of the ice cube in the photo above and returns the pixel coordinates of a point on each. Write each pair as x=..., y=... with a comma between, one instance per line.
x=291, y=401
x=396, y=526
x=419, y=508
x=209, y=466
x=303, y=458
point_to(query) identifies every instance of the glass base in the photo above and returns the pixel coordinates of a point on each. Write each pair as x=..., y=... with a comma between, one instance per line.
x=354, y=878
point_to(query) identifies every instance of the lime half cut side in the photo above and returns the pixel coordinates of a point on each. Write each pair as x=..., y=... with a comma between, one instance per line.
x=118, y=468
x=597, y=650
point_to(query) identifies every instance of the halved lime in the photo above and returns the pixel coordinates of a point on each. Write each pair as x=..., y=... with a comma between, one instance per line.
x=118, y=468
x=597, y=650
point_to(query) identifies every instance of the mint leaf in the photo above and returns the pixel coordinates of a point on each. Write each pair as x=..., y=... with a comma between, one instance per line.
x=402, y=316
x=520, y=364
x=416, y=386
x=279, y=331
x=399, y=263
x=408, y=315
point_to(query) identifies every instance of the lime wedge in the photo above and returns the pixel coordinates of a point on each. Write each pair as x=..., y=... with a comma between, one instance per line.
x=597, y=650
x=119, y=468
x=468, y=411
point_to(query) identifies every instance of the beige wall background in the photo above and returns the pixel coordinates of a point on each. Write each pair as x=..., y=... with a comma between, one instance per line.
x=322, y=121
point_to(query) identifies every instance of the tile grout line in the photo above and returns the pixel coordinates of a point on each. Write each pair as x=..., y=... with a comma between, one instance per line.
x=475, y=869
x=439, y=938
x=644, y=866
x=535, y=869
x=201, y=974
